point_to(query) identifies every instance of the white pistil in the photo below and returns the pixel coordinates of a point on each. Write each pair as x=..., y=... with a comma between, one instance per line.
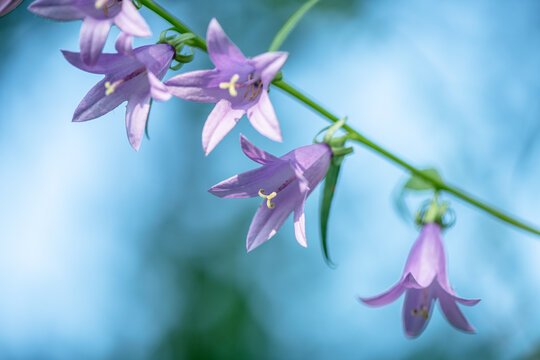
x=231, y=85
x=268, y=198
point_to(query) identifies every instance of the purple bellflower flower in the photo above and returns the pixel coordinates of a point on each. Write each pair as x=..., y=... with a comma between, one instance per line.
x=424, y=280
x=98, y=16
x=284, y=183
x=130, y=75
x=8, y=5
x=238, y=85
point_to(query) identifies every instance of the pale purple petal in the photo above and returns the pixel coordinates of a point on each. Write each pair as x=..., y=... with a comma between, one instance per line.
x=96, y=103
x=8, y=5
x=137, y=111
x=221, y=49
x=107, y=63
x=124, y=44
x=220, y=121
x=158, y=90
x=313, y=160
x=256, y=154
x=263, y=118
x=385, y=298
x=415, y=301
x=300, y=222
x=157, y=58
x=467, y=302
x=130, y=21
x=267, y=222
x=248, y=184
x=63, y=10
x=452, y=313
x=199, y=86
x=94, y=33
x=269, y=64
x=427, y=258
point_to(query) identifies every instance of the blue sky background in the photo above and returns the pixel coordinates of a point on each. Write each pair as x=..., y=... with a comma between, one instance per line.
x=109, y=253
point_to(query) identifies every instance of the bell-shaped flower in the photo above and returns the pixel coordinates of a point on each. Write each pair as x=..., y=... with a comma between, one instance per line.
x=130, y=75
x=424, y=280
x=238, y=85
x=8, y=5
x=98, y=16
x=284, y=183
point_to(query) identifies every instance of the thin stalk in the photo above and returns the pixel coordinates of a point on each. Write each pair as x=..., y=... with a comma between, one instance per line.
x=354, y=135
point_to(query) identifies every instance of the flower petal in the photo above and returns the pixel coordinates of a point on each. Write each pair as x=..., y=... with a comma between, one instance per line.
x=220, y=121
x=199, y=86
x=263, y=118
x=93, y=36
x=221, y=49
x=387, y=297
x=254, y=153
x=452, y=312
x=269, y=64
x=137, y=111
x=300, y=222
x=249, y=183
x=63, y=10
x=158, y=90
x=107, y=63
x=96, y=103
x=8, y=5
x=124, y=44
x=417, y=310
x=156, y=58
x=130, y=21
x=267, y=222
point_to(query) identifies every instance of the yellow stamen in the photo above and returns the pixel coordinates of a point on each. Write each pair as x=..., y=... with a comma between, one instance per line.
x=423, y=312
x=268, y=198
x=99, y=3
x=230, y=85
x=111, y=87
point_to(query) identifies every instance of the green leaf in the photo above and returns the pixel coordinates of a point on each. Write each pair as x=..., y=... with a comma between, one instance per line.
x=417, y=183
x=290, y=24
x=326, y=203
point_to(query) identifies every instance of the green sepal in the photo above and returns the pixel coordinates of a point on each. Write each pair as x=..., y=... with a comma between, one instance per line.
x=418, y=183
x=146, y=133
x=137, y=4
x=326, y=202
x=434, y=212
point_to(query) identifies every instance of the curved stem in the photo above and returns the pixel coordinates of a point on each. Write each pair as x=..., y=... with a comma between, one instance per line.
x=197, y=42
x=354, y=135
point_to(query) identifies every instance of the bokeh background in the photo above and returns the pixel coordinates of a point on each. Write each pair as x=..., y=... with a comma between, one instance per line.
x=106, y=253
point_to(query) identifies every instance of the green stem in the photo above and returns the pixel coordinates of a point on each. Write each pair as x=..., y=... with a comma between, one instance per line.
x=197, y=42
x=354, y=135
x=439, y=185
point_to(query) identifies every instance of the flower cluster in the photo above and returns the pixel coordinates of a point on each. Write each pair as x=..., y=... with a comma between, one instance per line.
x=238, y=86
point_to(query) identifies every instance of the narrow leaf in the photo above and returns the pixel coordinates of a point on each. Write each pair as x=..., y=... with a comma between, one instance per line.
x=326, y=203
x=290, y=24
x=419, y=184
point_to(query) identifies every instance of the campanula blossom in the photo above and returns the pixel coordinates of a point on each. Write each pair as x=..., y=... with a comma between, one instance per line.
x=424, y=280
x=238, y=86
x=98, y=16
x=8, y=5
x=284, y=184
x=130, y=75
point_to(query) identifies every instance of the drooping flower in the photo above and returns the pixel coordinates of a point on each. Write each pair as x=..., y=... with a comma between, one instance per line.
x=98, y=16
x=238, y=85
x=8, y=5
x=284, y=183
x=424, y=280
x=130, y=75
